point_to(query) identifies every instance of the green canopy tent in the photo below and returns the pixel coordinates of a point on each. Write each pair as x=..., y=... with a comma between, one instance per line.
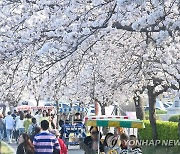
x=125, y=123
x=115, y=122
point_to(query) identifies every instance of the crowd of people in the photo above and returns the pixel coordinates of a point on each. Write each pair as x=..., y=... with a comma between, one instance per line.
x=16, y=123
x=33, y=133
x=44, y=142
x=112, y=143
x=37, y=134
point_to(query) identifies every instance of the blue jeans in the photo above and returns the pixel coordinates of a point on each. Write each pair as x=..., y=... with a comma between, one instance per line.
x=21, y=130
x=9, y=134
x=1, y=134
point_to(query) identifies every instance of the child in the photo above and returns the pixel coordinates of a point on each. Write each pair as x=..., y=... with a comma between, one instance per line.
x=111, y=144
x=133, y=145
x=64, y=149
x=124, y=146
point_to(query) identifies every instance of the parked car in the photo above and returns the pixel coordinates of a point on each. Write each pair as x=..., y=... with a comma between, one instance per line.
x=159, y=106
x=169, y=103
x=30, y=102
x=166, y=105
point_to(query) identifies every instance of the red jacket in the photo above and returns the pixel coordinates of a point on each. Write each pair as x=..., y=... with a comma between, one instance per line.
x=64, y=149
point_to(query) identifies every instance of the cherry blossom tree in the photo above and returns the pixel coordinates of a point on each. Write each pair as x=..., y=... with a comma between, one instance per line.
x=90, y=48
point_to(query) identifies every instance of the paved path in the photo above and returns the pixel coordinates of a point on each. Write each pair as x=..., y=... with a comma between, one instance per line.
x=75, y=152
x=72, y=150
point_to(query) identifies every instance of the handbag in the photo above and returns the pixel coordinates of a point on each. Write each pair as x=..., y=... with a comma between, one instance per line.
x=56, y=151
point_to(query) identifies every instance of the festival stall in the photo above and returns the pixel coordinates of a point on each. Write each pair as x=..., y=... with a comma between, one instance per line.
x=117, y=122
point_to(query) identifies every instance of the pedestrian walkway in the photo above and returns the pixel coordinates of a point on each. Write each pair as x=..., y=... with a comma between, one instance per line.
x=13, y=147
x=6, y=149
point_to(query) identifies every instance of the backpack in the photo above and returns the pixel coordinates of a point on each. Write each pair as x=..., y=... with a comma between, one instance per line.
x=33, y=129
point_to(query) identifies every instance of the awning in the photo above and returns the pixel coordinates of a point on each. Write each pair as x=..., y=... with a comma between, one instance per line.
x=72, y=110
x=105, y=117
x=25, y=107
x=125, y=123
x=42, y=107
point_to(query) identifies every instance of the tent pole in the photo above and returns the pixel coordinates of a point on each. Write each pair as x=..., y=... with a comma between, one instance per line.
x=99, y=141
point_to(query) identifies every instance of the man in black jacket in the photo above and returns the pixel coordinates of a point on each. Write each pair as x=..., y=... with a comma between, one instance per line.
x=91, y=142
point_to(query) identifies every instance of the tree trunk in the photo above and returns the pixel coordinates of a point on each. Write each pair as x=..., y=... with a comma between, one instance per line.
x=152, y=115
x=37, y=100
x=4, y=110
x=139, y=107
x=105, y=130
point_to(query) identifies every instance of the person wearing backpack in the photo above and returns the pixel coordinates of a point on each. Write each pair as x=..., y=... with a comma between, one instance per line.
x=37, y=130
x=32, y=126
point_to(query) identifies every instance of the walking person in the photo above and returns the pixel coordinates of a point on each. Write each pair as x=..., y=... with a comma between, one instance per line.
x=63, y=146
x=32, y=126
x=20, y=124
x=37, y=130
x=90, y=144
x=9, y=124
x=38, y=116
x=25, y=145
x=27, y=122
x=1, y=127
x=45, y=116
x=52, y=145
x=16, y=131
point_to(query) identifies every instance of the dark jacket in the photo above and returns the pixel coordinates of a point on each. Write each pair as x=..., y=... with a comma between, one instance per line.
x=89, y=143
x=22, y=150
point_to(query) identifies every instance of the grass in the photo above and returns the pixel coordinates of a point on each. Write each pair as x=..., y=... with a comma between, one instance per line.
x=6, y=149
x=157, y=112
x=161, y=150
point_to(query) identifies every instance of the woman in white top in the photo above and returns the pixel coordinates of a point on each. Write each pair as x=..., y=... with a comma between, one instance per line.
x=19, y=124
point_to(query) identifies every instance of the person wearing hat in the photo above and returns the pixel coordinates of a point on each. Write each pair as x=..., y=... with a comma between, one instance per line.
x=64, y=149
x=110, y=144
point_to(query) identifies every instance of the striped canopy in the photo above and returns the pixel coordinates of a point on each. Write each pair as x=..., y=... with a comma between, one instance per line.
x=26, y=107
x=72, y=110
x=125, y=123
x=105, y=117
